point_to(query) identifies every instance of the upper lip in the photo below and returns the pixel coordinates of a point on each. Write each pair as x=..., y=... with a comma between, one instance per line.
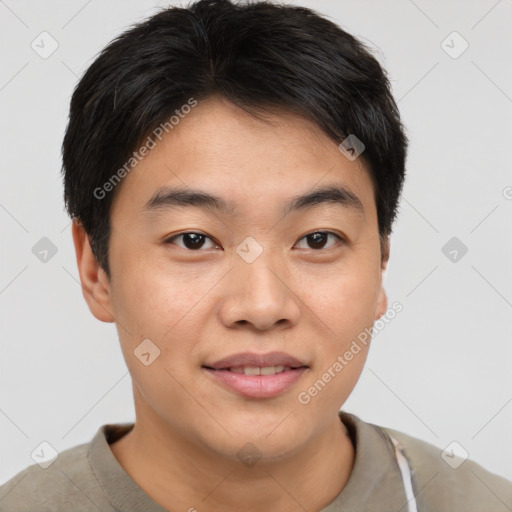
x=256, y=360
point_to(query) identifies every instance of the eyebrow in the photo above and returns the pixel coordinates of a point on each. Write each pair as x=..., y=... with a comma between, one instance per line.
x=170, y=197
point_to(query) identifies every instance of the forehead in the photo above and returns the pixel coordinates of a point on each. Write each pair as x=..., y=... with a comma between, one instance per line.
x=253, y=163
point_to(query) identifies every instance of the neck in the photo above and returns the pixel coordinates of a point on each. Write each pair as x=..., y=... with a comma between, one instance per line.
x=181, y=476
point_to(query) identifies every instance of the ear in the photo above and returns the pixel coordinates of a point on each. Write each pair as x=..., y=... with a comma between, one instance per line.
x=95, y=283
x=382, y=301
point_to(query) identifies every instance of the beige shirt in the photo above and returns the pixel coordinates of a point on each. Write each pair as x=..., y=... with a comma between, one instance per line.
x=88, y=478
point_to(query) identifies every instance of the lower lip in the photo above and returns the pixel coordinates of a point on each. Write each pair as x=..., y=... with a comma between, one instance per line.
x=257, y=386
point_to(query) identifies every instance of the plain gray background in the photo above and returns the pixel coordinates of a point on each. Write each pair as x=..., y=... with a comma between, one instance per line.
x=441, y=370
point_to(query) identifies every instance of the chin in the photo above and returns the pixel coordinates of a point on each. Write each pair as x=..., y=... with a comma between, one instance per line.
x=273, y=436
x=265, y=449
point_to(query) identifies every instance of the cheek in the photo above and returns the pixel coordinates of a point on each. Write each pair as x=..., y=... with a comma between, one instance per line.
x=149, y=305
x=166, y=305
x=149, y=296
x=344, y=303
x=347, y=309
x=344, y=299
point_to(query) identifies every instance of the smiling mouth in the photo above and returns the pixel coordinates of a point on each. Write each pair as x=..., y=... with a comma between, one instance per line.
x=257, y=370
x=257, y=382
x=255, y=375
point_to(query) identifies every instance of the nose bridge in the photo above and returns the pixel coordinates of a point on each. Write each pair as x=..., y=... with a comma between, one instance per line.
x=259, y=294
x=262, y=278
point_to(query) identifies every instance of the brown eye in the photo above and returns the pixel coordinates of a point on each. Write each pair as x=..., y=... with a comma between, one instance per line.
x=191, y=241
x=319, y=240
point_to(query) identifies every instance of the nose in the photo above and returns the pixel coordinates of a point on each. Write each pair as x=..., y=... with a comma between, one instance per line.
x=260, y=295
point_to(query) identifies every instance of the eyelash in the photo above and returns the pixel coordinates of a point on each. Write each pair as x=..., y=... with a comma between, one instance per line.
x=170, y=240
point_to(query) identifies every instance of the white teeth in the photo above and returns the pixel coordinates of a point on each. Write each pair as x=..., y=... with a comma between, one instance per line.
x=255, y=370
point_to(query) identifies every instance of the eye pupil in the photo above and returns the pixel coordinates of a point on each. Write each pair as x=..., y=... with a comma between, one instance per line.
x=193, y=240
x=318, y=240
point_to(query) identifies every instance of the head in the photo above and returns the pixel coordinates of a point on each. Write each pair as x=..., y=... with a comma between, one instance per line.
x=248, y=103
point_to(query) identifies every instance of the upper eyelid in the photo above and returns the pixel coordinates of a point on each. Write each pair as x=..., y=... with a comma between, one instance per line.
x=339, y=237
x=168, y=239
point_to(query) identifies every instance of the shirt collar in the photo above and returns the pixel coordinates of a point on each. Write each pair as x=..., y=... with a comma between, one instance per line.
x=375, y=482
x=123, y=493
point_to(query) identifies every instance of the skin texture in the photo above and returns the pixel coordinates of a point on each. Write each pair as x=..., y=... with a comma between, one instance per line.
x=206, y=304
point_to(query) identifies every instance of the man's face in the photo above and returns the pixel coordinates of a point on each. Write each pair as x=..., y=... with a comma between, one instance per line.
x=253, y=279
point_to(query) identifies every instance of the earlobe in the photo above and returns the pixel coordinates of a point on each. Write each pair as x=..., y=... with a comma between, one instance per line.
x=382, y=303
x=382, y=300
x=95, y=284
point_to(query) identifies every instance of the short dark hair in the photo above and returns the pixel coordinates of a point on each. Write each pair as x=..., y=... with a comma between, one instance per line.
x=262, y=57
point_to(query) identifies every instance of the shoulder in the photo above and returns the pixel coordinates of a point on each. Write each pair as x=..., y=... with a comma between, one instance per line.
x=67, y=484
x=444, y=482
